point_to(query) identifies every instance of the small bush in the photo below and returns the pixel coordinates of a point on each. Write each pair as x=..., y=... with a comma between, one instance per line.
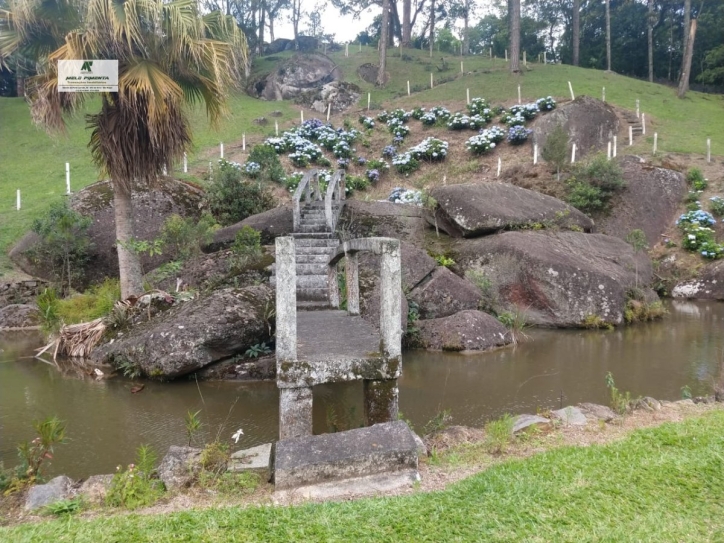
x=584, y=196
x=593, y=184
x=215, y=457
x=716, y=206
x=231, y=198
x=620, y=401
x=97, y=301
x=271, y=168
x=64, y=508
x=555, y=150
x=184, y=237
x=499, y=434
x=696, y=179
x=135, y=486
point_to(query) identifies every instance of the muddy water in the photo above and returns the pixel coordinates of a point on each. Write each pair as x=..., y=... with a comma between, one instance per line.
x=106, y=422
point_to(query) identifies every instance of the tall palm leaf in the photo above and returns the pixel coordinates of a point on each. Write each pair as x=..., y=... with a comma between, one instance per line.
x=169, y=55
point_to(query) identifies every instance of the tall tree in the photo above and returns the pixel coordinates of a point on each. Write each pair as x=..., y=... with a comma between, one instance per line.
x=514, y=12
x=650, y=21
x=576, y=24
x=432, y=26
x=169, y=54
x=685, y=41
x=296, y=16
x=273, y=9
x=381, y=73
x=608, y=35
x=406, y=23
x=688, y=54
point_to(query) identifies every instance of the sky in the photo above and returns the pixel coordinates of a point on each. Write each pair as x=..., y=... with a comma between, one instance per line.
x=344, y=27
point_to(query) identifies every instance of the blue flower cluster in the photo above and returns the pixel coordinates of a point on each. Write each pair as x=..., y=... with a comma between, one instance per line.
x=700, y=217
x=401, y=195
x=479, y=144
x=494, y=134
x=546, y=104
x=527, y=111
x=373, y=175
x=389, y=151
x=431, y=149
x=252, y=169
x=518, y=134
x=367, y=122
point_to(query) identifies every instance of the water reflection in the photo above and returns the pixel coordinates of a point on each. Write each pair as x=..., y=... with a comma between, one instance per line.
x=106, y=422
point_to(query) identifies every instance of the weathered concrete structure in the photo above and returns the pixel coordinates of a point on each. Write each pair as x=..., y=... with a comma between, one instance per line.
x=329, y=346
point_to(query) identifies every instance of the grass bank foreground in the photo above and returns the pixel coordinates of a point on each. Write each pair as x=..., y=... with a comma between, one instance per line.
x=657, y=484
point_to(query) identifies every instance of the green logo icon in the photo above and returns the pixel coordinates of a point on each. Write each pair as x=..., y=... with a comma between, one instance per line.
x=87, y=66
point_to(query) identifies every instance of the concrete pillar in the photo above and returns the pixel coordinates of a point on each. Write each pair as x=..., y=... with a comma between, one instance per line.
x=391, y=300
x=381, y=401
x=333, y=286
x=286, y=301
x=352, y=273
x=295, y=412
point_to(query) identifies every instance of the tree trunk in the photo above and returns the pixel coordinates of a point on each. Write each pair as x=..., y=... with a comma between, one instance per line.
x=262, y=24
x=432, y=26
x=271, y=26
x=650, y=38
x=608, y=35
x=576, y=31
x=384, y=33
x=687, y=25
x=406, y=24
x=296, y=15
x=514, y=36
x=684, y=79
x=129, y=261
x=466, y=23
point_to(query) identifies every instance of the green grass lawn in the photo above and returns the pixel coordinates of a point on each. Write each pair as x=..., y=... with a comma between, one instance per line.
x=661, y=484
x=33, y=162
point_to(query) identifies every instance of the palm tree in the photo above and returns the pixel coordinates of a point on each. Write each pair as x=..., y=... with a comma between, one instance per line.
x=169, y=55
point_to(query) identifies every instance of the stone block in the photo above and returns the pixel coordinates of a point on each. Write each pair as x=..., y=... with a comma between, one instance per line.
x=256, y=460
x=598, y=412
x=526, y=421
x=95, y=488
x=571, y=416
x=388, y=448
x=60, y=488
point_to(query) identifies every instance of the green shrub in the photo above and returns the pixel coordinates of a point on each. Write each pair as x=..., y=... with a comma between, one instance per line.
x=231, y=198
x=97, y=301
x=489, y=300
x=696, y=179
x=34, y=455
x=716, y=206
x=183, y=237
x=601, y=173
x=215, y=457
x=47, y=302
x=555, y=150
x=64, y=508
x=584, y=196
x=63, y=246
x=247, y=247
x=135, y=486
x=271, y=168
x=620, y=401
x=499, y=434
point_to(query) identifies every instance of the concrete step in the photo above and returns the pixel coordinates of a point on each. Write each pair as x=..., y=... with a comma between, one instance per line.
x=313, y=250
x=314, y=235
x=313, y=295
x=314, y=222
x=316, y=242
x=313, y=306
x=306, y=268
x=311, y=281
x=312, y=229
x=313, y=259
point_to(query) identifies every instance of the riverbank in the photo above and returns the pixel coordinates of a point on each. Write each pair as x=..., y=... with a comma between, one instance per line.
x=650, y=476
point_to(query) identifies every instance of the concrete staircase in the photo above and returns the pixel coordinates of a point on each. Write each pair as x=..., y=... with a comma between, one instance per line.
x=314, y=243
x=635, y=123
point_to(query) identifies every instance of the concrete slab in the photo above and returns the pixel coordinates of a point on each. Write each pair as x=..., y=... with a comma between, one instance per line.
x=370, y=485
x=526, y=421
x=387, y=449
x=256, y=459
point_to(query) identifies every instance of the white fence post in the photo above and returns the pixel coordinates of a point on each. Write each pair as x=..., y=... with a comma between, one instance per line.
x=467, y=95
x=243, y=142
x=408, y=88
x=603, y=94
x=221, y=150
x=519, y=99
x=573, y=154
x=637, y=108
x=656, y=141
x=615, y=145
x=500, y=164
x=630, y=135
x=186, y=164
x=643, y=124
x=570, y=88
x=535, y=153
x=17, y=202
x=67, y=177
x=708, y=149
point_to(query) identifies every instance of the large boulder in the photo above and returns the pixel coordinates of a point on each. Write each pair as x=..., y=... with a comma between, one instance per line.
x=650, y=201
x=151, y=207
x=270, y=224
x=557, y=279
x=589, y=122
x=17, y=316
x=444, y=293
x=470, y=330
x=57, y=489
x=709, y=285
x=297, y=75
x=179, y=467
x=470, y=210
x=360, y=219
x=341, y=95
x=195, y=334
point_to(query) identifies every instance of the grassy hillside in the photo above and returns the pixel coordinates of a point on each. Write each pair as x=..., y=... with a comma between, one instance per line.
x=32, y=161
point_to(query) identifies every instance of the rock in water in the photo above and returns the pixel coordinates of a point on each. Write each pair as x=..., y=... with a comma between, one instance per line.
x=464, y=331
x=195, y=334
x=470, y=210
x=443, y=293
x=557, y=279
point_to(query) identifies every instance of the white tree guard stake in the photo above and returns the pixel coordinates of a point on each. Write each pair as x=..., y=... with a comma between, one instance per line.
x=221, y=150
x=301, y=115
x=637, y=108
x=360, y=46
x=346, y=49
x=490, y=52
x=329, y=110
x=186, y=164
x=573, y=154
x=67, y=177
x=462, y=71
x=467, y=95
x=630, y=135
x=165, y=171
x=431, y=80
x=539, y=58
x=708, y=149
x=500, y=164
x=243, y=142
x=506, y=55
x=570, y=88
x=369, y=97
x=545, y=57
x=643, y=124
x=408, y=88
x=603, y=94
x=615, y=145
x=276, y=128
x=519, y=100
x=656, y=141
x=525, y=59
x=17, y=200
x=608, y=154
x=535, y=153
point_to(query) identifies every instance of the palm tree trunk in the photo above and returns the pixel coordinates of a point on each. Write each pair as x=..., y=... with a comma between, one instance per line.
x=689, y=53
x=576, y=31
x=129, y=261
x=650, y=38
x=384, y=36
x=514, y=36
x=608, y=35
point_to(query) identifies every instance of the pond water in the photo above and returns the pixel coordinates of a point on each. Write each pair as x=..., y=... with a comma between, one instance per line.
x=106, y=422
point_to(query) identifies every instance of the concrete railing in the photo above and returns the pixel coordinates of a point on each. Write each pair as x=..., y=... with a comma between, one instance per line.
x=390, y=286
x=335, y=194
x=309, y=183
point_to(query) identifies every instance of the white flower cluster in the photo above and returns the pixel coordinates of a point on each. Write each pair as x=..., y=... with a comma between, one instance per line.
x=401, y=195
x=430, y=149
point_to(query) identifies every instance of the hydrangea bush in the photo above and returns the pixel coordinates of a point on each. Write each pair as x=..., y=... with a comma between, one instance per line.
x=478, y=105
x=401, y=195
x=367, y=122
x=252, y=169
x=546, y=104
x=698, y=236
x=479, y=144
x=527, y=111
x=405, y=163
x=494, y=134
x=517, y=135
x=716, y=206
x=512, y=119
x=430, y=149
